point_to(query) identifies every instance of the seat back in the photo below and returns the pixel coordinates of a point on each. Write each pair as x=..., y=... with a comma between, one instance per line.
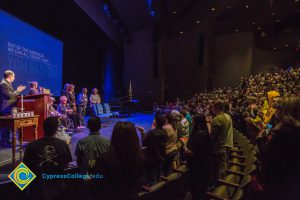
x=100, y=109
x=107, y=107
x=156, y=192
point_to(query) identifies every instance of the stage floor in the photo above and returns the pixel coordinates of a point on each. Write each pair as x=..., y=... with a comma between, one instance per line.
x=142, y=119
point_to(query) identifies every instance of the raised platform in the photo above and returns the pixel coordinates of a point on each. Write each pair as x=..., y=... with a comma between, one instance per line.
x=142, y=119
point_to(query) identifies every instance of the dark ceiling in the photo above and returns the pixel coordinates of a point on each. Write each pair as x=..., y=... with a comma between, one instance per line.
x=276, y=23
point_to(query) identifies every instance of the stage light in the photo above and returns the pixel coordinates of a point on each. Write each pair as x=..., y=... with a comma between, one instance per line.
x=150, y=8
x=106, y=10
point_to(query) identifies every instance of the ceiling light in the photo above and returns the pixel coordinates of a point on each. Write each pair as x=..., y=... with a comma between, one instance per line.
x=198, y=22
x=253, y=23
x=258, y=28
x=213, y=9
x=286, y=45
x=275, y=48
x=247, y=6
x=236, y=30
x=174, y=12
x=278, y=20
x=181, y=32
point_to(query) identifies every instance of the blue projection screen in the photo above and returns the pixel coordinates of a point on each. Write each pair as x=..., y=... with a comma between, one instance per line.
x=32, y=54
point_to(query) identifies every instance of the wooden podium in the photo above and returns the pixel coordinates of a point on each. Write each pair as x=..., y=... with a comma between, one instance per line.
x=39, y=104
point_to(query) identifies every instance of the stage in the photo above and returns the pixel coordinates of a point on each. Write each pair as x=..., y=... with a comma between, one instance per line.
x=141, y=119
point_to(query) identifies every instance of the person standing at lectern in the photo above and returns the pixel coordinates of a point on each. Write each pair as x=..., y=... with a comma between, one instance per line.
x=34, y=88
x=8, y=99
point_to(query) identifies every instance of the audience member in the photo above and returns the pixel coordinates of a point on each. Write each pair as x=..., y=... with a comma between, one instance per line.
x=199, y=157
x=122, y=165
x=171, y=144
x=219, y=131
x=185, y=125
x=281, y=170
x=155, y=142
x=47, y=155
x=88, y=149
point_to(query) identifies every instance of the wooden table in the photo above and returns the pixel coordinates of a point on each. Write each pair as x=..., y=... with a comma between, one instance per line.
x=19, y=123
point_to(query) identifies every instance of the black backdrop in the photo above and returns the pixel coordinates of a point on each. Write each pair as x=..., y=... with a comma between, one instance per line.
x=88, y=52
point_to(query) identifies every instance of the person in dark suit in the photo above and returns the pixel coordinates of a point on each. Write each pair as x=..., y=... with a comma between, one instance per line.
x=8, y=99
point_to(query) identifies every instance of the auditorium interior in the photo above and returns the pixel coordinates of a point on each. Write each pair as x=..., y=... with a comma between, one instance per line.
x=150, y=99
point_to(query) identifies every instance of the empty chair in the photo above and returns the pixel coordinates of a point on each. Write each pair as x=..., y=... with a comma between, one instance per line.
x=103, y=116
x=114, y=114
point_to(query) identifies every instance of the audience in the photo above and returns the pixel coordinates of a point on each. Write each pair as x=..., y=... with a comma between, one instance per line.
x=155, y=143
x=265, y=107
x=47, y=155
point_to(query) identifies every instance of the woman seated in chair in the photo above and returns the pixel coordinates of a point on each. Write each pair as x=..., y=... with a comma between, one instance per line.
x=95, y=102
x=65, y=109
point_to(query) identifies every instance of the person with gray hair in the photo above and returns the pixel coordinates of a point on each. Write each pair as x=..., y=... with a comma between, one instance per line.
x=34, y=88
x=8, y=99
